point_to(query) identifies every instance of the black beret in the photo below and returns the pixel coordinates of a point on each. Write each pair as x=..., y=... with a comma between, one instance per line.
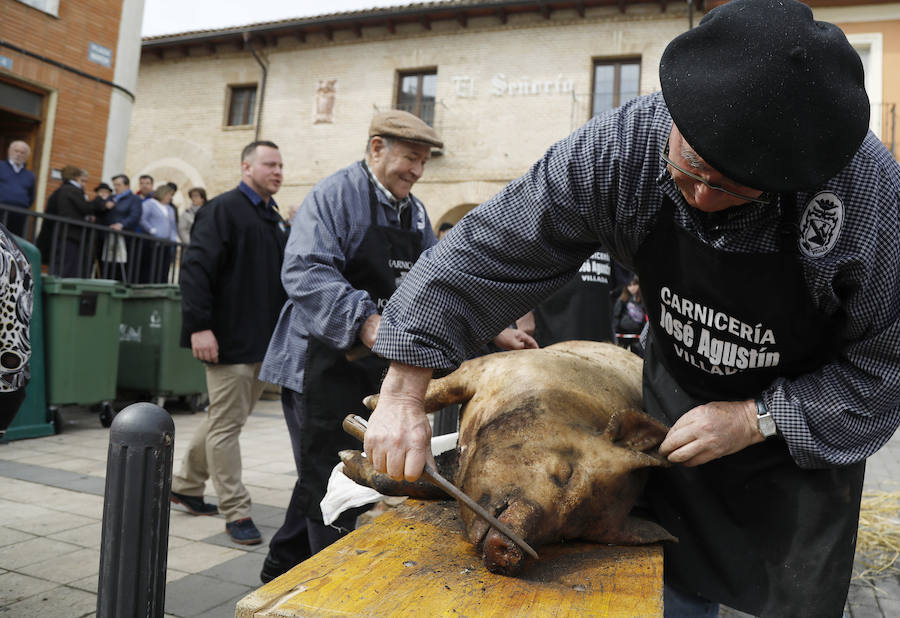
x=769, y=97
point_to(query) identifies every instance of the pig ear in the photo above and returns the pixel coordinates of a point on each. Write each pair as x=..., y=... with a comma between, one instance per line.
x=638, y=431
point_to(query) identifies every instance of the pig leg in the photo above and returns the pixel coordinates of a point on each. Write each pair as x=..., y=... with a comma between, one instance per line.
x=358, y=469
x=457, y=387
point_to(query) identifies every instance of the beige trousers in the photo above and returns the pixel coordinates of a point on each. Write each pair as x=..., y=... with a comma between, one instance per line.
x=215, y=451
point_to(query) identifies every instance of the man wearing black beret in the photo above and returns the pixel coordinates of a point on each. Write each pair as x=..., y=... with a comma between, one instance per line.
x=761, y=215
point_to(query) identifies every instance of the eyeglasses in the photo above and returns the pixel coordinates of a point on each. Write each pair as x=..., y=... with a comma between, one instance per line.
x=763, y=199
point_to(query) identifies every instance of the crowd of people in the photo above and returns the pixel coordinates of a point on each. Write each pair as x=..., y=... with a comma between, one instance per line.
x=767, y=309
x=147, y=224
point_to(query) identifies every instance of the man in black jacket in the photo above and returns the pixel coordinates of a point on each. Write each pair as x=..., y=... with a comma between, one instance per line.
x=231, y=295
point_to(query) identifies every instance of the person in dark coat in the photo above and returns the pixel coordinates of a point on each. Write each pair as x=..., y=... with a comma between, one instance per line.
x=17, y=185
x=231, y=295
x=67, y=246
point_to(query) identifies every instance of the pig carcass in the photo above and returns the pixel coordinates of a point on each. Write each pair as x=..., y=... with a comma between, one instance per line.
x=553, y=442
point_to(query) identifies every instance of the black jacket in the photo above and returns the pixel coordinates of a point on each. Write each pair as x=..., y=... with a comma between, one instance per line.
x=231, y=276
x=67, y=201
x=623, y=321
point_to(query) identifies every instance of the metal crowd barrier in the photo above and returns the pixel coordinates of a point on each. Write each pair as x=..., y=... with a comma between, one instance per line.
x=102, y=253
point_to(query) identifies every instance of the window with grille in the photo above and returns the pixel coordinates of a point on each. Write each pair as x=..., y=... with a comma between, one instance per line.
x=615, y=82
x=241, y=105
x=416, y=94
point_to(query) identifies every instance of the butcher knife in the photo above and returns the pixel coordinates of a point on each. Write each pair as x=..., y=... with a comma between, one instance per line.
x=356, y=427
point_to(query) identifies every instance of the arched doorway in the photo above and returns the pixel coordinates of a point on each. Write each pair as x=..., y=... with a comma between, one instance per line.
x=453, y=215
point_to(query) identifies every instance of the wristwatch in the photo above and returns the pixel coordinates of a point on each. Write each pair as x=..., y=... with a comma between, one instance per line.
x=764, y=420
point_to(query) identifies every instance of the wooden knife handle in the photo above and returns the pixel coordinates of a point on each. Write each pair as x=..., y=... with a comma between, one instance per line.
x=355, y=426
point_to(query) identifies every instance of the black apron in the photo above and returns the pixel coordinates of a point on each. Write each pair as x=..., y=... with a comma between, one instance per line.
x=580, y=309
x=755, y=531
x=333, y=386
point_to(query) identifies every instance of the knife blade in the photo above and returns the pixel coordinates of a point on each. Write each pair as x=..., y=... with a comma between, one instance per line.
x=356, y=426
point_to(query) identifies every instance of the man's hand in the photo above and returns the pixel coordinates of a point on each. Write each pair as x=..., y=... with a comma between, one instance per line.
x=398, y=439
x=115, y=226
x=205, y=346
x=369, y=330
x=526, y=323
x=711, y=431
x=514, y=339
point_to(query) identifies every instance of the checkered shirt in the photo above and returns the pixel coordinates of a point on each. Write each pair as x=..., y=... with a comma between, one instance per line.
x=604, y=184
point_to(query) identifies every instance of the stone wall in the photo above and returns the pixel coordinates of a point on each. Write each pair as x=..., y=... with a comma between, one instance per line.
x=505, y=93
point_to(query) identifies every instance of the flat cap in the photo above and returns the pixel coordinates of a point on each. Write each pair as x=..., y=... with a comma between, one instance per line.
x=768, y=96
x=403, y=125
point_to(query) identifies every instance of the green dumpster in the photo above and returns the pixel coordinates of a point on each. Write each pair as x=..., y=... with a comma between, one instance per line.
x=81, y=322
x=34, y=418
x=151, y=359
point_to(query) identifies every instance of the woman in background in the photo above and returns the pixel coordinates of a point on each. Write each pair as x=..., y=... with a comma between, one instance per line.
x=158, y=220
x=629, y=317
x=186, y=220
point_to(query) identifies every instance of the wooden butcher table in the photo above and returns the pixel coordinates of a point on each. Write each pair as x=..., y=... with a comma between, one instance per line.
x=415, y=561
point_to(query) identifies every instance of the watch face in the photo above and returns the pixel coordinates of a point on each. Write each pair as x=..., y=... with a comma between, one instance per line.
x=767, y=425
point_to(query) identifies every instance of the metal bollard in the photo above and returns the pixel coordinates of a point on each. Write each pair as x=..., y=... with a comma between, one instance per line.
x=135, y=539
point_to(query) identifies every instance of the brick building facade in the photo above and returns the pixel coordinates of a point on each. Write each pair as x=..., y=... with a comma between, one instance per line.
x=67, y=75
x=500, y=81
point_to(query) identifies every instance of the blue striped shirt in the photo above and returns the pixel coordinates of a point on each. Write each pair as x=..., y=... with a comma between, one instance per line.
x=325, y=234
x=604, y=184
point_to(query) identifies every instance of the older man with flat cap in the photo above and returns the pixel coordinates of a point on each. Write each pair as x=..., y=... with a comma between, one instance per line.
x=761, y=215
x=355, y=236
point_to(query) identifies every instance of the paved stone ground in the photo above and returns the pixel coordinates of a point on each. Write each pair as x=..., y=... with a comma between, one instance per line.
x=51, y=498
x=52, y=505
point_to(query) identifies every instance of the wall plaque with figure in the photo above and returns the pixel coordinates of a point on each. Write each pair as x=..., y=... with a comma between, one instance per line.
x=325, y=101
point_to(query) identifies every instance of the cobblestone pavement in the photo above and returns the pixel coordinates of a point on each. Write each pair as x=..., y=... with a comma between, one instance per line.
x=51, y=497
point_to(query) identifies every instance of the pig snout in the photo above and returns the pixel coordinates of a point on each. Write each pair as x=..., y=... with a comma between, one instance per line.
x=500, y=554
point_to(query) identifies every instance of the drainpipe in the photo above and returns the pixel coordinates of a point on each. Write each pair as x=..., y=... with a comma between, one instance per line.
x=262, y=84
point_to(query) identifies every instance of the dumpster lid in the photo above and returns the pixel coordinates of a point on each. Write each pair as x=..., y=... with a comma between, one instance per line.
x=155, y=290
x=65, y=285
